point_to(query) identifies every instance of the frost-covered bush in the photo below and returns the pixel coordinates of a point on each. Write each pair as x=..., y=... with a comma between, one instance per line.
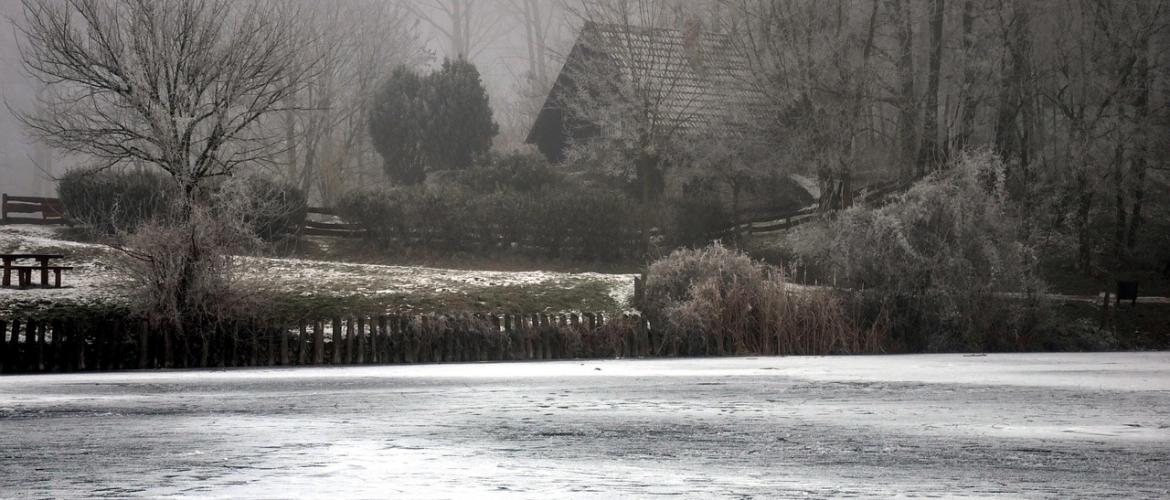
x=947, y=257
x=719, y=299
x=109, y=201
x=184, y=268
x=271, y=208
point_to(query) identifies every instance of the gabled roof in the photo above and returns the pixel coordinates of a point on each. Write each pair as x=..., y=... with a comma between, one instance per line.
x=695, y=78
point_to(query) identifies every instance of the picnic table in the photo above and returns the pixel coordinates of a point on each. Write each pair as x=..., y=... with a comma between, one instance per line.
x=24, y=272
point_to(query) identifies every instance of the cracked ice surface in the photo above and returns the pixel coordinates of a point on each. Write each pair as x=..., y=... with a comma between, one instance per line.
x=1012, y=425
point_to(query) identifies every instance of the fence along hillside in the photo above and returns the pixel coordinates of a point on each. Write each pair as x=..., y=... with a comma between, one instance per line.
x=34, y=345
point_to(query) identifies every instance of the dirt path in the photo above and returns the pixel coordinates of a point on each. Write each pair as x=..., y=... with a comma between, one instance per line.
x=1052, y=425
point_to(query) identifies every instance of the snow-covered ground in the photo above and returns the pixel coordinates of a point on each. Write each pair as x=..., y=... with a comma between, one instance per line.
x=95, y=280
x=1013, y=425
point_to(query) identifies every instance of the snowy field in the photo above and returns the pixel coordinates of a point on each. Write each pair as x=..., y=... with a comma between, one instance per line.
x=400, y=288
x=1018, y=425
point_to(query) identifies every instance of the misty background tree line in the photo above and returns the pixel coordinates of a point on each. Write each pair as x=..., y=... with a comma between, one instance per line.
x=1025, y=134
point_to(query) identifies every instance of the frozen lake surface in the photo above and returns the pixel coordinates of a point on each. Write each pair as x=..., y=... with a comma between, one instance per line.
x=1015, y=425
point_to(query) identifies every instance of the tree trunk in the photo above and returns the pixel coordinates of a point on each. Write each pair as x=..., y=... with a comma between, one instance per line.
x=907, y=112
x=1119, y=225
x=1013, y=135
x=1140, y=157
x=929, y=156
x=969, y=74
x=290, y=136
x=1084, y=209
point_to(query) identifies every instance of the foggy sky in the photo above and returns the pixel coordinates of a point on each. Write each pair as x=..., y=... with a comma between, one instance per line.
x=19, y=174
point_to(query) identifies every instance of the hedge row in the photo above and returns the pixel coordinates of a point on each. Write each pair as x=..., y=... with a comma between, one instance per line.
x=589, y=223
x=111, y=201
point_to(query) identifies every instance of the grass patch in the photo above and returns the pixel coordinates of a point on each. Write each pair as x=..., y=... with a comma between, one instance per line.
x=552, y=297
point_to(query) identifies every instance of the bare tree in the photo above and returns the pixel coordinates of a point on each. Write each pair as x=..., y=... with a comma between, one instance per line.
x=180, y=84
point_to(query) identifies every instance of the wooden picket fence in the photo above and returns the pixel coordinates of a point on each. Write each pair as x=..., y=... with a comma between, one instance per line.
x=31, y=345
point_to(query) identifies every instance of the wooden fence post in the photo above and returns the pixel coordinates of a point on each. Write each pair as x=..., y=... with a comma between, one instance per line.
x=443, y=345
x=52, y=356
x=377, y=326
x=359, y=341
x=409, y=342
x=29, y=349
x=455, y=345
x=533, y=335
x=42, y=326
x=392, y=352
x=426, y=350
x=546, y=333
x=78, y=332
x=303, y=343
x=335, y=355
x=512, y=345
x=14, y=358
x=318, y=342
x=348, y=356
x=254, y=333
x=501, y=352
x=644, y=344
x=398, y=338
x=283, y=346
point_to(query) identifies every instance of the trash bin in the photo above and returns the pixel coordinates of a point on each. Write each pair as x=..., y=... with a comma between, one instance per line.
x=1127, y=290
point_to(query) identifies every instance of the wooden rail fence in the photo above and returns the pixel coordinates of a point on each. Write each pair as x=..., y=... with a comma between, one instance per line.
x=330, y=229
x=50, y=209
x=766, y=223
x=31, y=345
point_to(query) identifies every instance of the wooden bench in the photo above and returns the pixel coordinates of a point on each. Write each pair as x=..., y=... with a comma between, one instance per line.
x=24, y=275
x=1127, y=290
x=24, y=272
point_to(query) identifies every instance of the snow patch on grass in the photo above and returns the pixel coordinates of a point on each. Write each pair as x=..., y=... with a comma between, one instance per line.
x=95, y=280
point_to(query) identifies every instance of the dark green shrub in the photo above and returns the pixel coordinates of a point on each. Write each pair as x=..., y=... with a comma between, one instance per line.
x=508, y=172
x=109, y=201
